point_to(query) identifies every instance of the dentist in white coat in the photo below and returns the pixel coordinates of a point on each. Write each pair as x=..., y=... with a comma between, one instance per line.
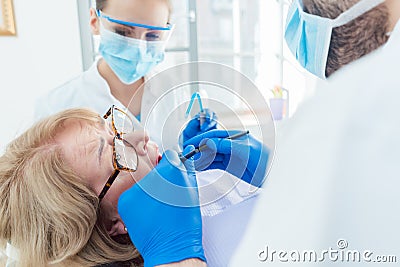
x=335, y=185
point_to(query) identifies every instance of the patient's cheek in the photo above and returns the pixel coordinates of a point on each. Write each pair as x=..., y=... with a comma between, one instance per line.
x=141, y=173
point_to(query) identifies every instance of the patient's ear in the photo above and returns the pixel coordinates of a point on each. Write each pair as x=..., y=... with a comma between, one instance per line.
x=94, y=22
x=117, y=228
x=110, y=219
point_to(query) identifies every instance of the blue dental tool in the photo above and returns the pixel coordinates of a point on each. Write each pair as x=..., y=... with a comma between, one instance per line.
x=202, y=113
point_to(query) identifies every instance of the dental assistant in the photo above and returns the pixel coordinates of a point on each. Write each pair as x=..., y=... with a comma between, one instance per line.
x=133, y=35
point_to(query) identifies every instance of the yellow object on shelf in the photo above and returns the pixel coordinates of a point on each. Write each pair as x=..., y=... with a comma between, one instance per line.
x=277, y=91
x=279, y=104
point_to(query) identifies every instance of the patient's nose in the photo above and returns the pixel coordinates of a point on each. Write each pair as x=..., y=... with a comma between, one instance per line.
x=139, y=140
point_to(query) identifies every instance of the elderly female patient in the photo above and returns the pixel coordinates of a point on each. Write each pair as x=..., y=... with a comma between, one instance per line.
x=59, y=200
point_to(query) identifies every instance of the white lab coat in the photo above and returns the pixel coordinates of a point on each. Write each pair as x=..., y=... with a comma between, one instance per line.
x=226, y=206
x=336, y=173
x=166, y=97
x=90, y=90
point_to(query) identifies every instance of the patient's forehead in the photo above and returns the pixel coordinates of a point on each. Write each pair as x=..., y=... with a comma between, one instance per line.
x=80, y=142
x=78, y=127
x=73, y=128
x=75, y=137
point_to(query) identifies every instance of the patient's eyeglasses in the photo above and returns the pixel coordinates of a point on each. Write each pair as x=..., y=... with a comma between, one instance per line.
x=125, y=157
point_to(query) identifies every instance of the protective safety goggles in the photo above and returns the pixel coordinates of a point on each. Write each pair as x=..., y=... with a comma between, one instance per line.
x=136, y=30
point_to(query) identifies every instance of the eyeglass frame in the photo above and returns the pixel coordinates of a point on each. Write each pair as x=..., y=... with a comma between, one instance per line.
x=118, y=135
x=100, y=14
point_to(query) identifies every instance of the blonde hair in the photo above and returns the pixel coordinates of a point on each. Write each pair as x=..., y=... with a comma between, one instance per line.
x=47, y=211
x=101, y=4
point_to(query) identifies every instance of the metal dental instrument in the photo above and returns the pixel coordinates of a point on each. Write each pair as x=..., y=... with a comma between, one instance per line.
x=238, y=135
x=204, y=146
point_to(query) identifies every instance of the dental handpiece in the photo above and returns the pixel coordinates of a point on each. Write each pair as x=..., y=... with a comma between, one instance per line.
x=204, y=146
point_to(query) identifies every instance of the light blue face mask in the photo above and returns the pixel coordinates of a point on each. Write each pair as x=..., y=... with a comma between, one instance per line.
x=130, y=58
x=309, y=36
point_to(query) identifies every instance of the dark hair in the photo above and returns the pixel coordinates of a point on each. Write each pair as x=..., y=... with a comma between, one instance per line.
x=355, y=39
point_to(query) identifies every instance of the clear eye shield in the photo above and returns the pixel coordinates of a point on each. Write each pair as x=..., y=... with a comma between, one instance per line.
x=308, y=36
x=135, y=30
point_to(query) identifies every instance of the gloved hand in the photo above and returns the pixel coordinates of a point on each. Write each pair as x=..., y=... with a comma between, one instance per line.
x=245, y=157
x=193, y=128
x=162, y=213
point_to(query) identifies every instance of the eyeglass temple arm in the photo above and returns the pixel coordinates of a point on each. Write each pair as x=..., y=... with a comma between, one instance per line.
x=110, y=181
x=108, y=112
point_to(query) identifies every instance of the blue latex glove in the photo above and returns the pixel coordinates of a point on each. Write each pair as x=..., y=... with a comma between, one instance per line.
x=162, y=213
x=193, y=128
x=245, y=157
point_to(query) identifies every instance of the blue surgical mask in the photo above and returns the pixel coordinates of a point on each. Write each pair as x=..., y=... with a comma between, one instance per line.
x=309, y=36
x=130, y=58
